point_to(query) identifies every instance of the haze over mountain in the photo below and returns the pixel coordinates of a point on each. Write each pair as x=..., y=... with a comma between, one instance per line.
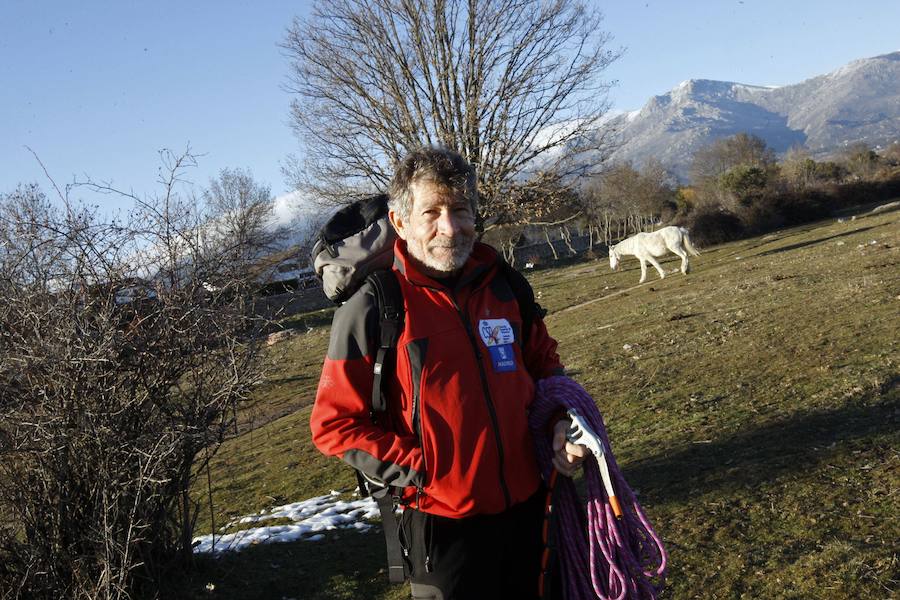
x=859, y=102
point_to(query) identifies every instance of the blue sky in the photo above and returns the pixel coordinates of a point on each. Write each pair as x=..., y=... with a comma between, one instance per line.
x=97, y=88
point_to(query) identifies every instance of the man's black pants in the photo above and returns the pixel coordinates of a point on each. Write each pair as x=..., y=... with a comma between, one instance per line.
x=481, y=557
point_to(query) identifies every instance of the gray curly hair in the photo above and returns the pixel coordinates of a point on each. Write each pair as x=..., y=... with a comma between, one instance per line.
x=437, y=165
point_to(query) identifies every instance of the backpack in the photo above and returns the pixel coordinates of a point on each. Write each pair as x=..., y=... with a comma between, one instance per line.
x=355, y=241
x=356, y=245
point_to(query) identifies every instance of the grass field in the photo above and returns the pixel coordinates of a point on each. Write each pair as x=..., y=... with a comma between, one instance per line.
x=753, y=404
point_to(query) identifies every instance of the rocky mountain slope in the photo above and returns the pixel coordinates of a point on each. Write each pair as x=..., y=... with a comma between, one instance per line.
x=858, y=102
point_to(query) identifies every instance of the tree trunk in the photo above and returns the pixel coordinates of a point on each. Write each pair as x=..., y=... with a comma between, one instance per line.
x=509, y=252
x=549, y=243
x=567, y=237
x=187, y=550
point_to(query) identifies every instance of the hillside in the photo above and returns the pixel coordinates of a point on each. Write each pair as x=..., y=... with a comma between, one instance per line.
x=860, y=102
x=753, y=405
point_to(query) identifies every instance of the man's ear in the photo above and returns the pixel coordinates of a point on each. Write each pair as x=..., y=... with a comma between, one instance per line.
x=398, y=223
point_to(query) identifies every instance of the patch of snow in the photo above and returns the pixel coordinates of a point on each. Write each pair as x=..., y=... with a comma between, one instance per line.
x=309, y=519
x=847, y=69
x=752, y=88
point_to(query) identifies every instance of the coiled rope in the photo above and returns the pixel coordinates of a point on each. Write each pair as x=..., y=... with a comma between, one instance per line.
x=601, y=557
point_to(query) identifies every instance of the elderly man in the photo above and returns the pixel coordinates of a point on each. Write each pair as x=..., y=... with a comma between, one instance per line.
x=456, y=439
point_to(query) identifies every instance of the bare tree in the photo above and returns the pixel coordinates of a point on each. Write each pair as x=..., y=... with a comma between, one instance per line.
x=714, y=160
x=544, y=200
x=513, y=85
x=112, y=393
x=625, y=200
x=239, y=225
x=798, y=169
x=861, y=161
x=240, y=222
x=891, y=155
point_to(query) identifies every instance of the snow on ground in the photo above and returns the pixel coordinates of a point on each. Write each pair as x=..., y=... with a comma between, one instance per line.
x=310, y=518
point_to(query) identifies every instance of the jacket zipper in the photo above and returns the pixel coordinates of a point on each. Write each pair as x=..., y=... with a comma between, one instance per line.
x=417, y=417
x=487, y=397
x=417, y=429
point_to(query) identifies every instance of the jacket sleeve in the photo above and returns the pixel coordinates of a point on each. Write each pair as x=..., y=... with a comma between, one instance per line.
x=540, y=355
x=341, y=422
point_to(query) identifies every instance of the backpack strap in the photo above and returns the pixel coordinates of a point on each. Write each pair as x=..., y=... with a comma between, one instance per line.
x=387, y=502
x=389, y=299
x=528, y=308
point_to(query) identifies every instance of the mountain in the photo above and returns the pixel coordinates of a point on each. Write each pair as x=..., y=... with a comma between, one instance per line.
x=859, y=102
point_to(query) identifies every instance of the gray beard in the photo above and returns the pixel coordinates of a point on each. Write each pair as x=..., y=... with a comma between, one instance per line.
x=461, y=249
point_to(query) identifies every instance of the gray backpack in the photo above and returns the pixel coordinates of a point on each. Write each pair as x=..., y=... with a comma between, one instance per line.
x=356, y=241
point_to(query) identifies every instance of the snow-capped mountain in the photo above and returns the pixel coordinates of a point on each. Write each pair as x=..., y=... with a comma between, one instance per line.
x=858, y=102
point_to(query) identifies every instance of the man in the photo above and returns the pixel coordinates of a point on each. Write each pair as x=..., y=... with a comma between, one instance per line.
x=456, y=437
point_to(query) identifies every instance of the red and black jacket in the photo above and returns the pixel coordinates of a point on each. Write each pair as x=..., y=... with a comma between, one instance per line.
x=456, y=435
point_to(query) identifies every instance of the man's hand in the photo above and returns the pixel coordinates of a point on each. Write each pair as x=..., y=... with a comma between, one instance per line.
x=567, y=457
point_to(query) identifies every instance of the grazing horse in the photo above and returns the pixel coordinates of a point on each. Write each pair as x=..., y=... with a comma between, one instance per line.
x=647, y=246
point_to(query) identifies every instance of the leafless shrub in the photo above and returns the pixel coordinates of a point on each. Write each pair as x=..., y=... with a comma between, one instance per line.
x=120, y=364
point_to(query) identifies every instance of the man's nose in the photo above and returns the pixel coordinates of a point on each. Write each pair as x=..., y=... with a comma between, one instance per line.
x=448, y=223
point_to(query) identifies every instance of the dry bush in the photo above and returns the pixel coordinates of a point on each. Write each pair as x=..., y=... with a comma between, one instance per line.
x=120, y=366
x=709, y=224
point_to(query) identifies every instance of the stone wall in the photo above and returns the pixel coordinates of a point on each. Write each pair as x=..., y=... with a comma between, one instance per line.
x=541, y=252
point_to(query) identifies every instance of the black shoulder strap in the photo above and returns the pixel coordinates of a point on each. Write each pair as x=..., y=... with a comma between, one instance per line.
x=389, y=299
x=528, y=308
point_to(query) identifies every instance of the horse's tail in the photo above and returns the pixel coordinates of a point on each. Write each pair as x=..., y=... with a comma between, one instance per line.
x=687, y=242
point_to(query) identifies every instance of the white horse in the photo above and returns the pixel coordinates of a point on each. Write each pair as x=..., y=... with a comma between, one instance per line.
x=648, y=246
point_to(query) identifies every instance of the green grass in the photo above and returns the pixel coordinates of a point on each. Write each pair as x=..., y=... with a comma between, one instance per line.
x=753, y=404
x=292, y=370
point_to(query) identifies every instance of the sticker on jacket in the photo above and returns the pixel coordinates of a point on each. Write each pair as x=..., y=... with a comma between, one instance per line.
x=498, y=336
x=496, y=332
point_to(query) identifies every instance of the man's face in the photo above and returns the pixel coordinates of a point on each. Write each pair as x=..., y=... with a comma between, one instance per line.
x=439, y=231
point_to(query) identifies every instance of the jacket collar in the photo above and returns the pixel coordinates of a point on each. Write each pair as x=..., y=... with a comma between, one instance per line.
x=482, y=260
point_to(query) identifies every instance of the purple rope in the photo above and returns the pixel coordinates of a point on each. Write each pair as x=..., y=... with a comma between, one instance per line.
x=601, y=557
